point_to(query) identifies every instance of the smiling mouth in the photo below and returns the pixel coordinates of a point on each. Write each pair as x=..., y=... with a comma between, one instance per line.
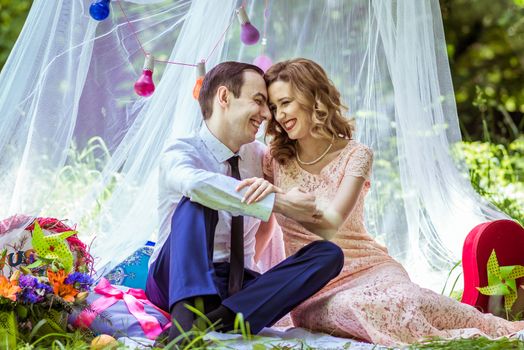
x=256, y=123
x=288, y=125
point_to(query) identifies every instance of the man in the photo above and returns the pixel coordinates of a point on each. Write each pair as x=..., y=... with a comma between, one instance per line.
x=206, y=242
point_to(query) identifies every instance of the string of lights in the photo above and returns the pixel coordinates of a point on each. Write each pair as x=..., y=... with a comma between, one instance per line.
x=144, y=86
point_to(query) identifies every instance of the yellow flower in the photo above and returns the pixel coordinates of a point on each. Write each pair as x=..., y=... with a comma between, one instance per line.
x=8, y=289
x=82, y=296
x=15, y=276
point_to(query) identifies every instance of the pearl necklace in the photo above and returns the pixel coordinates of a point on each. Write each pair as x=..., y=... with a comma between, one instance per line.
x=319, y=158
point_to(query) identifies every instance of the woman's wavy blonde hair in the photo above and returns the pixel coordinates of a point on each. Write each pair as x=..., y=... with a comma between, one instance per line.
x=317, y=95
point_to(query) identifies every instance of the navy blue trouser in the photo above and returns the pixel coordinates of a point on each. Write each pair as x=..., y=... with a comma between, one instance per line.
x=185, y=269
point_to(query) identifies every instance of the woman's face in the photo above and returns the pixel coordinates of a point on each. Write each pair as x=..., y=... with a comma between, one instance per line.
x=289, y=114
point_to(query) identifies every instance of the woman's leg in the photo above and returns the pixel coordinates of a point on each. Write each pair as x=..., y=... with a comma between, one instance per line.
x=383, y=306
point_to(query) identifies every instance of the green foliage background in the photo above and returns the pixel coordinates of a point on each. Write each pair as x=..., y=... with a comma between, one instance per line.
x=12, y=17
x=485, y=42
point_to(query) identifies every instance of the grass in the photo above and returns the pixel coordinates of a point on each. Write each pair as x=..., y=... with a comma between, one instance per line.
x=74, y=341
x=77, y=179
x=198, y=338
x=469, y=344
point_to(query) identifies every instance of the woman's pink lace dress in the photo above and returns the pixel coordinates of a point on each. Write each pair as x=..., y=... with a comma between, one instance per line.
x=373, y=298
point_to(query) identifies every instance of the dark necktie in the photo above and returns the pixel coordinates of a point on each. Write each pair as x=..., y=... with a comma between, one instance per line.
x=236, y=255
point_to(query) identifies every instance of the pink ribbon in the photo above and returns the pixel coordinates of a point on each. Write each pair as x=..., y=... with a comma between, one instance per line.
x=134, y=299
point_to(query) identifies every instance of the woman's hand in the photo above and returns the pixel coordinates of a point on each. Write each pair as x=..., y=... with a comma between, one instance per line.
x=258, y=189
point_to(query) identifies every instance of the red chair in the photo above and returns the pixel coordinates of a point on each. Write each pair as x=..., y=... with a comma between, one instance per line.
x=506, y=237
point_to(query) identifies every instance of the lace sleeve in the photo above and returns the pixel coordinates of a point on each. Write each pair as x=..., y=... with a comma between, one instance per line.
x=267, y=166
x=360, y=162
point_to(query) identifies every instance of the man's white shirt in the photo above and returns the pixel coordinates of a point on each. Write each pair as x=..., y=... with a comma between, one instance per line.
x=197, y=167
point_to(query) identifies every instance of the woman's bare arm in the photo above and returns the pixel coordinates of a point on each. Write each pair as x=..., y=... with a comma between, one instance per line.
x=339, y=208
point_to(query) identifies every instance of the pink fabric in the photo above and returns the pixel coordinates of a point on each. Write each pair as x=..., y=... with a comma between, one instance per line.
x=373, y=298
x=274, y=252
x=14, y=222
x=134, y=299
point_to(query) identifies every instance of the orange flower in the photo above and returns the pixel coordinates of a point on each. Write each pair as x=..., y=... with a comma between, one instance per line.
x=56, y=278
x=65, y=291
x=8, y=289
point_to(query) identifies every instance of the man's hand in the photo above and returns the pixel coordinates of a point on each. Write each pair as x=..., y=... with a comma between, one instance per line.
x=258, y=189
x=297, y=205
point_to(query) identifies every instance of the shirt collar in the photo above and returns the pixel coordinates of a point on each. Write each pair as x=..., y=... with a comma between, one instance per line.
x=220, y=151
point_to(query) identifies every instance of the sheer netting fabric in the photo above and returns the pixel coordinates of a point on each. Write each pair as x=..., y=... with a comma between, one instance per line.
x=77, y=143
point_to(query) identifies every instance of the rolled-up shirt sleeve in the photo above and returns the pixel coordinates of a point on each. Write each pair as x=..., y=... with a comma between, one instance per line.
x=182, y=172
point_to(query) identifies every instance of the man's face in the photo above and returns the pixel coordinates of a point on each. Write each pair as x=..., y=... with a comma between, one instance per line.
x=245, y=113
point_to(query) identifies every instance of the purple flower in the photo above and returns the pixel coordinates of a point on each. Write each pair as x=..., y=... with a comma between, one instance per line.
x=32, y=290
x=44, y=288
x=81, y=281
x=30, y=296
x=27, y=281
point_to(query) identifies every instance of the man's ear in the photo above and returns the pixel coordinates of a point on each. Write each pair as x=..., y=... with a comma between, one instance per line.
x=223, y=96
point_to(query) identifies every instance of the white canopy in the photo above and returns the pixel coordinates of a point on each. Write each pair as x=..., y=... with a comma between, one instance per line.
x=76, y=142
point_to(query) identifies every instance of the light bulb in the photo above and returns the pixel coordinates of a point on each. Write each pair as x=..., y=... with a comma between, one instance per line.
x=248, y=33
x=99, y=9
x=263, y=62
x=144, y=86
x=201, y=72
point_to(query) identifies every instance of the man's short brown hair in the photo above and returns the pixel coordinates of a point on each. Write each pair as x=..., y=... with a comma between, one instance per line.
x=229, y=74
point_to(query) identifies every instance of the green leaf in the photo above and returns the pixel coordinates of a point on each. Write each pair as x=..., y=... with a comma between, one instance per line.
x=35, y=264
x=21, y=311
x=519, y=3
x=36, y=328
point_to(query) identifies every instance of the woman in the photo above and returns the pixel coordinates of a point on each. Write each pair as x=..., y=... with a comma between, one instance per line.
x=373, y=298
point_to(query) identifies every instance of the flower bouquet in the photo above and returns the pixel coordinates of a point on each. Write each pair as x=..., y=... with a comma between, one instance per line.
x=45, y=274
